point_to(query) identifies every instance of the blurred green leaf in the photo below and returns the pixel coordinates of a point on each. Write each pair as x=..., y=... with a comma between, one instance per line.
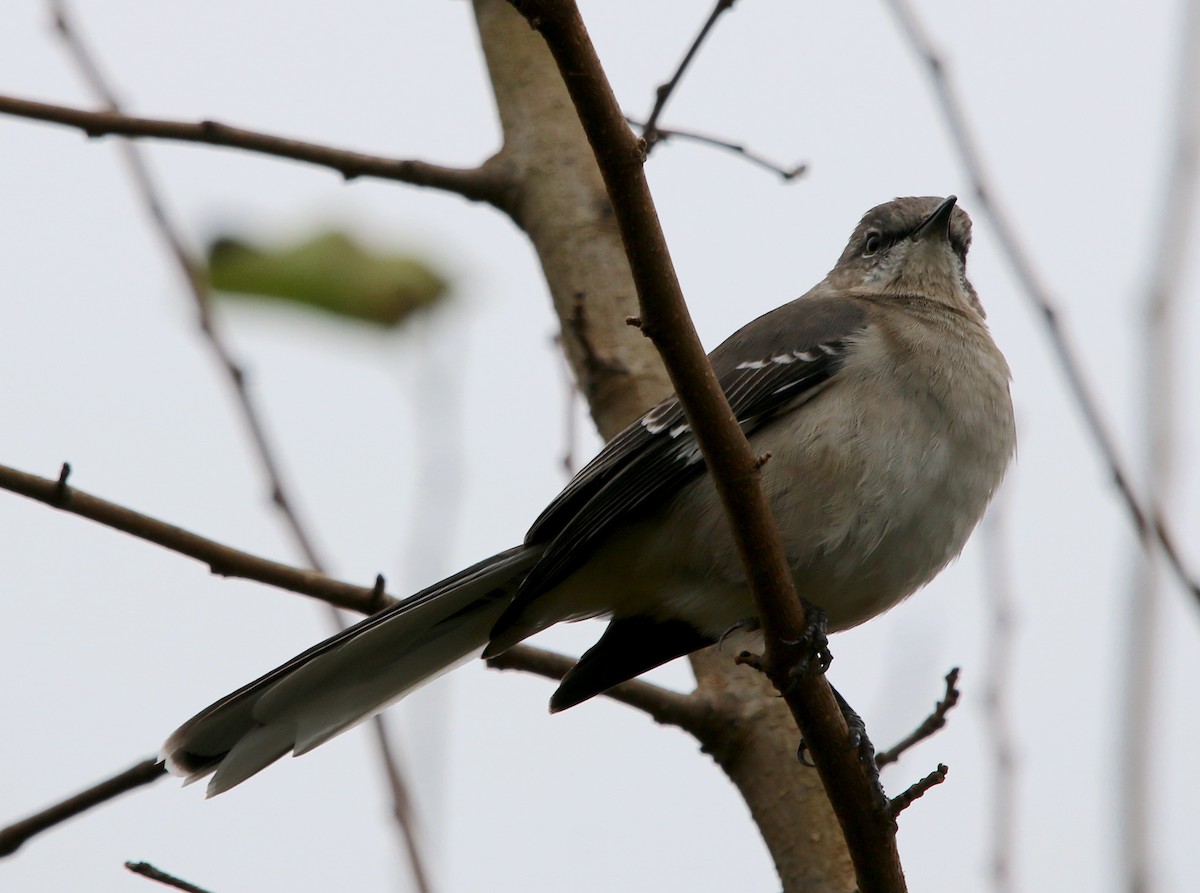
x=331, y=272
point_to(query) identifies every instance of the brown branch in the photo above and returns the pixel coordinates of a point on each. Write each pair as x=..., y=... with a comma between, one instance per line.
x=16, y=834
x=862, y=811
x=650, y=132
x=222, y=560
x=662, y=705
x=402, y=805
x=146, y=870
x=1147, y=519
x=690, y=712
x=662, y=135
x=931, y=724
x=486, y=183
x=917, y=790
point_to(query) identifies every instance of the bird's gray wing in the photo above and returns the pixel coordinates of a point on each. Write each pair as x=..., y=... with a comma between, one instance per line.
x=777, y=361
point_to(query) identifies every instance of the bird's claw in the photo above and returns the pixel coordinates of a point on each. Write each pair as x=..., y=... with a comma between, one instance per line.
x=814, y=641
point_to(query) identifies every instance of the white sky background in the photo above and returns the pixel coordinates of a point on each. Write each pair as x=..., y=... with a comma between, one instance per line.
x=107, y=643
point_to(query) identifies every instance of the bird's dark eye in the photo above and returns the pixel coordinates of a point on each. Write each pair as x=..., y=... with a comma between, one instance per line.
x=873, y=244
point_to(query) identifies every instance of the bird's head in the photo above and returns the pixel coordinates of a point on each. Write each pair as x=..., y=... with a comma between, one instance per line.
x=915, y=246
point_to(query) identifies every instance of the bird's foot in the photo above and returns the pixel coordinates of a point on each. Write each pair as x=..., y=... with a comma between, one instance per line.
x=814, y=642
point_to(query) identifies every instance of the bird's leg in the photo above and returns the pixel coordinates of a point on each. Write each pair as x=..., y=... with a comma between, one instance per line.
x=857, y=733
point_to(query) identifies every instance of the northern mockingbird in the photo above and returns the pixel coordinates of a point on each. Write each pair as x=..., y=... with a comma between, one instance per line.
x=884, y=404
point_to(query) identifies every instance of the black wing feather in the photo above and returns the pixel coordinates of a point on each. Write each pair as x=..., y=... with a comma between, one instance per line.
x=657, y=455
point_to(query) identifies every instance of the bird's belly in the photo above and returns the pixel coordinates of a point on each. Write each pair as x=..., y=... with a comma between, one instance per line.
x=870, y=506
x=918, y=486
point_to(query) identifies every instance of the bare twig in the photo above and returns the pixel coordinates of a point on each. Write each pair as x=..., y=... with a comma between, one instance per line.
x=928, y=727
x=1147, y=519
x=664, y=706
x=862, y=810
x=222, y=560
x=650, y=131
x=997, y=685
x=918, y=789
x=146, y=870
x=486, y=183
x=402, y=805
x=663, y=134
x=145, y=772
x=689, y=712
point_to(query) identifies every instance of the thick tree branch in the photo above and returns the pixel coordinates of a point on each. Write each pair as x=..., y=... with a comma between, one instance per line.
x=867, y=824
x=486, y=183
x=145, y=772
x=222, y=560
x=565, y=211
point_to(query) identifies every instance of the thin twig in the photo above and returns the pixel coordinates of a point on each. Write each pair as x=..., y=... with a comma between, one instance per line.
x=486, y=183
x=854, y=793
x=997, y=686
x=1147, y=519
x=650, y=131
x=928, y=727
x=687, y=711
x=918, y=789
x=151, y=197
x=662, y=705
x=222, y=560
x=144, y=773
x=663, y=134
x=146, y=870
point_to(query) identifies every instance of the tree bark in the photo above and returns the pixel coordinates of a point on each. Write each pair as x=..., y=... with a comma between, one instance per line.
x=560, y=202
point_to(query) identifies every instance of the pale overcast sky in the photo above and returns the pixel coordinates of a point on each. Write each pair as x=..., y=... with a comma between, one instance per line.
x=107, y=643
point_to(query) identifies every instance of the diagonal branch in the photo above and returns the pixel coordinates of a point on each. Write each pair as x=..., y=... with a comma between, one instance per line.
x=144, y=773
x=866, y=822
x=690, y=712
x=650, y=132
x=146, y=870
x=662, y=135
x=486, y=183
x=222, y=560
x=1147, y=518
x=933, y=723
x=149, y=193
x=662, y=705
x=917, y=790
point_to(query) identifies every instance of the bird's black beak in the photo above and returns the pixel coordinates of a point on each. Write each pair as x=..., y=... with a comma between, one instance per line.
x=937, y=223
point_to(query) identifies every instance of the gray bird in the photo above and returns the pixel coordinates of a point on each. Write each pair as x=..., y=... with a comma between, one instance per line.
x=884, y=404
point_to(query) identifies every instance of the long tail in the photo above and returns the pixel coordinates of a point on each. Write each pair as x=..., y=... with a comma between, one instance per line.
x=348, y=677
